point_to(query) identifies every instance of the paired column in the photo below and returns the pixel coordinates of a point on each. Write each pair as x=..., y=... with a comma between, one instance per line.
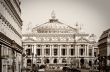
x=78, y=50
x=67, y=50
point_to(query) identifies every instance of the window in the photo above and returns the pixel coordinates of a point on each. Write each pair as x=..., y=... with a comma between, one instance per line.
x=63, y=60
x=64, y=45
x=90, y=52
x=47, y=61
x=47, y=51
x=72, y=52
x=38, y=45
x=95, y=54
x=47, y=45
x=63, y=51
x=90, y=63
x=28, y=62
x=39, y=60
x=29, y=45
x=82, y=45
x=72, y=45
x=55, y=61
x=55, y=51
x=38, y=52
x=81, y=51
x=56, y=45
x=28, y=51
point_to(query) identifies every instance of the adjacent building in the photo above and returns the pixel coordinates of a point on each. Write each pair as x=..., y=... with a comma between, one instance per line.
x=56, y=44
x=10, y=36
x=104, y=45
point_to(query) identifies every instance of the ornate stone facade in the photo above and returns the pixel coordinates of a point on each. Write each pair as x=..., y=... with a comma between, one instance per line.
x=55, y=43
x=104, y=45
x=10, y=36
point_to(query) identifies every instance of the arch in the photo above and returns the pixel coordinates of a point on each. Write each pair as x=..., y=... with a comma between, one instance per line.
x=39, y=60
x=47, y=61
x=63, y=60
x=55, y=61
x=28, y=62
x=82, y=61
x=90, y=63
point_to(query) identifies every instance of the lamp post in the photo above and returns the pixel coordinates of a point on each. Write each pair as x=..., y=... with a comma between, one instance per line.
x=36, y=58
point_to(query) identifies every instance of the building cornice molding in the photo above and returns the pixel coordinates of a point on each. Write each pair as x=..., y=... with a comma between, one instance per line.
x=8, y=24
x=52, y=34
x=13, y=12
x=8, y=42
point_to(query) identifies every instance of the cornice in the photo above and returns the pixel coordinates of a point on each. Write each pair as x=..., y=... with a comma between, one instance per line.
x=8, y=24
x=53, y=34
x=13, y=11
x=15, y=1
x=48, y=42
x=8, y=42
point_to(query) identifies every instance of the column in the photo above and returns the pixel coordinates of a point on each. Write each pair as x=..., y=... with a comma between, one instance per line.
x=42, y=50
x=60, y=51
x=76, y=51
x=93, y=51
x=67, y=50
x=87, y=50
x=50, y=50
x=35, y=47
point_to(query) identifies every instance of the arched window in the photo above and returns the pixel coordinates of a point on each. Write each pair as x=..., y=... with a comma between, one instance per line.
x=28, y=51
x=63, y=60
x=90, y=63
x=55, y=61
x=28, y=62
x=39, y=61
x=47, y=60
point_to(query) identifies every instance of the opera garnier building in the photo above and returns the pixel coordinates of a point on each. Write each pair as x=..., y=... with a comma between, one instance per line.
x=56, y=44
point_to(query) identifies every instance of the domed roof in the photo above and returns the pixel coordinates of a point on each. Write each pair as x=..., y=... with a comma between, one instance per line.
x=54, y=26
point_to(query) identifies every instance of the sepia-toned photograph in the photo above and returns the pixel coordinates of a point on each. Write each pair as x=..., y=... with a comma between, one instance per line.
x=54, y=35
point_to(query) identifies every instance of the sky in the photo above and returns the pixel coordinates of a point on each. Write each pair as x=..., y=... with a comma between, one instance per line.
x=92, y=15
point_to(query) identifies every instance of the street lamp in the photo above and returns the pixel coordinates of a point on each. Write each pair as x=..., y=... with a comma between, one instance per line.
x=36, y=58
